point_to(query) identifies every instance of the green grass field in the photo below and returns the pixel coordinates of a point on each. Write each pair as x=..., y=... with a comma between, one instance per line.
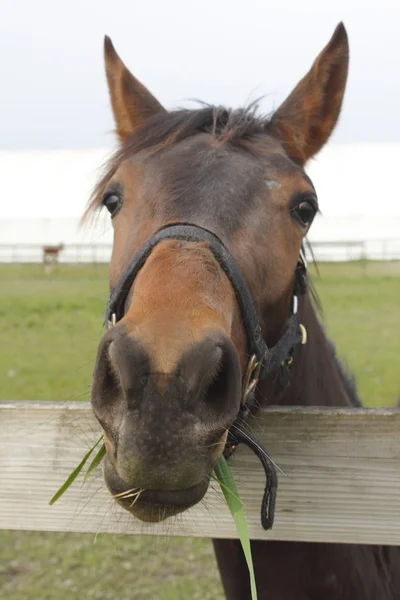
x=50, y=329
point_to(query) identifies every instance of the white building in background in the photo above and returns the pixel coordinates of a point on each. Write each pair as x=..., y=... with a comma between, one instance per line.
x=44, y=194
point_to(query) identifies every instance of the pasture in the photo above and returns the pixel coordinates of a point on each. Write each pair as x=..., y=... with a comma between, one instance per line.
x=51, y=326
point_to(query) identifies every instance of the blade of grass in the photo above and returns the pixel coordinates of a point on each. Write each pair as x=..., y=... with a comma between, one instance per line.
x=69, y=481
x=227, y=489
x=95, y=462
x=224, y=475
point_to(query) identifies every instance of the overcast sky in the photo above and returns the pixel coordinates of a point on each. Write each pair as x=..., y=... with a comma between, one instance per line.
x=53, y=92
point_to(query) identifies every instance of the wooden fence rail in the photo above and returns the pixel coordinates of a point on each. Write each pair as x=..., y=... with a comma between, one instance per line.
x=341, y=482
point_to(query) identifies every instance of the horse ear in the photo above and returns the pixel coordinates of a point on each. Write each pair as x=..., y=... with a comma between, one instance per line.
x=131, y=102
x=306, y=119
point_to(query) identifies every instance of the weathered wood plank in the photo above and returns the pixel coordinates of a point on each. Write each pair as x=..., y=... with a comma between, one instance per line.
x=342, y=478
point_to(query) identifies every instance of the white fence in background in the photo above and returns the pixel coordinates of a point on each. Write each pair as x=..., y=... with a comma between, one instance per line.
x=388, y=249
x=72, y=253
x=345, y=250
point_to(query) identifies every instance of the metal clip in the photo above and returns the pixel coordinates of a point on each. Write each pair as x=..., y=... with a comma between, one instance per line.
x=113, y=321
x=251, y=378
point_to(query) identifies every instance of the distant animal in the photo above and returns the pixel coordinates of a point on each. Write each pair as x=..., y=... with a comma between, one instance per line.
x=209, y=308
x=51, y=256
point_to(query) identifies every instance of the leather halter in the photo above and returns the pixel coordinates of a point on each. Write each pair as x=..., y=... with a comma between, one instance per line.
x=276, y=361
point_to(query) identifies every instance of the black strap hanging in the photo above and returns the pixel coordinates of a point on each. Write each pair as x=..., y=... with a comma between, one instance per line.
x=237, y=436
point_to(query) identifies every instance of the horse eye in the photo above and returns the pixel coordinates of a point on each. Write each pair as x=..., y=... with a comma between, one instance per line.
x=112, y=202
x=305, y=212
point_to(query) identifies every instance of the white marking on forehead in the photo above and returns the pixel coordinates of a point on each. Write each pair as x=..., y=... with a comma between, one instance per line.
x=272, y=185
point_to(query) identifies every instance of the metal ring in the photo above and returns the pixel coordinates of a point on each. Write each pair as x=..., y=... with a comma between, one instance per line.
x=251, y=378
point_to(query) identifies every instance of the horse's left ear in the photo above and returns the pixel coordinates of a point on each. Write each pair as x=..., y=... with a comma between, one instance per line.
x=306, y=119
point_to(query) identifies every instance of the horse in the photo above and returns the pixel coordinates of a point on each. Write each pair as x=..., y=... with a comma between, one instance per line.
x=209, y=297
x=51, y=255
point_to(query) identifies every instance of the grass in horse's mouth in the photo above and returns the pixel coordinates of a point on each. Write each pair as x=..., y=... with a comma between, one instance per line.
x=222, y=474
x=128, y=494
x=183, y=498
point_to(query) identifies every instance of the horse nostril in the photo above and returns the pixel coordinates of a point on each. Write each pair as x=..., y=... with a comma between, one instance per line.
x=218, y=384
x=212, y=374
x=111, y=351
x=111, y=379
x=120, y=371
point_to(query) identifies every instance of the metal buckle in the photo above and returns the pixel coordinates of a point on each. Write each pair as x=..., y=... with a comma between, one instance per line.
x=251, y=378
x=303, y=333
x=295, y=305
x=113, y=321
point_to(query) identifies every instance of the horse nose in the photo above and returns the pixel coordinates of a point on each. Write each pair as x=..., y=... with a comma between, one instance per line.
x=205, y=380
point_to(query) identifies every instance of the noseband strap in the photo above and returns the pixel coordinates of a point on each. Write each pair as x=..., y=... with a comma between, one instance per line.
x=193, y=233
x=276, y=361
x=271, y=360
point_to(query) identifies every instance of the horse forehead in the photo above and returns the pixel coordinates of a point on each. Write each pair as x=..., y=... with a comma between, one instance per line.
x=204, y=159
x=203, y=177
x=204, y=156
x=203, y=163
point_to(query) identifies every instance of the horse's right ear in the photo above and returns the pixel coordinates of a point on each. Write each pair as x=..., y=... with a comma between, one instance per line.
x=132, y=103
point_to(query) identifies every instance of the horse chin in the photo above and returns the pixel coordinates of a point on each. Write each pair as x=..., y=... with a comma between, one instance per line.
x=155, y=513
x=153, y=505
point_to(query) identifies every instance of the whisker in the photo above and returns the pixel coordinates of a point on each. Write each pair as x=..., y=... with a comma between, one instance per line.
x=137, y=497
x=132, y=495
x=122, y=494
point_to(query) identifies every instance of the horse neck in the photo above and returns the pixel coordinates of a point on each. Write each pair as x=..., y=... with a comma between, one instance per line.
x=317, y=378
